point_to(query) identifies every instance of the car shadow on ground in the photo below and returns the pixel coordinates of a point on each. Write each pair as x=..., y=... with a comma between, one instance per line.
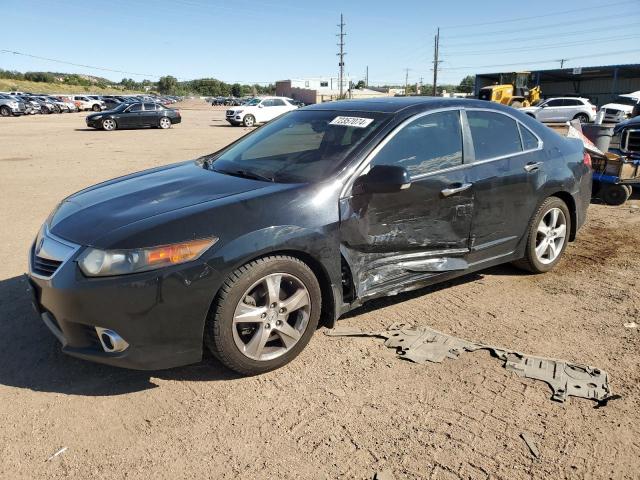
x=30, y=357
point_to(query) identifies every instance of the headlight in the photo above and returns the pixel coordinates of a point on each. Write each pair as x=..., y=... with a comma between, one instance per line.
x=98, y=263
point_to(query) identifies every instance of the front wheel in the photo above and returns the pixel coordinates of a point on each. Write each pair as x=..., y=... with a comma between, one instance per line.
x=547, y=237
x=108, y=124
x=5, y=111
x=264, y=315
x=165, y=123
x=249, y=121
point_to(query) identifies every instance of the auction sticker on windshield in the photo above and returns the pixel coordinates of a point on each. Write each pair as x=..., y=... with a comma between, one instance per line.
x=357, y=122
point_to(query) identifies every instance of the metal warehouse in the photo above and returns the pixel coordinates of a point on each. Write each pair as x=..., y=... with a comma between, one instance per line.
x=600, y=84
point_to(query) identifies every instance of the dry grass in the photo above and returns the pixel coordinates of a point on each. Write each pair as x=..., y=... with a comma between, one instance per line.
x=7, y=85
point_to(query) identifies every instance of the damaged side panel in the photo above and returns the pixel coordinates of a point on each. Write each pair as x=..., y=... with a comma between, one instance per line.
x=393, y=240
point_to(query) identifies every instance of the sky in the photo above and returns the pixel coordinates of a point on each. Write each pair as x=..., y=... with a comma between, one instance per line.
x=251, y=41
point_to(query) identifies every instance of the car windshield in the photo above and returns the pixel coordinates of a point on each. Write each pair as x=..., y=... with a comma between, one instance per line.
x=301, y=146
x=626, y=101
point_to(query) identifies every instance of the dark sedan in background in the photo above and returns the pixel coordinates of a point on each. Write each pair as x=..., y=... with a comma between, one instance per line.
x=135, y=115
x=246, y=250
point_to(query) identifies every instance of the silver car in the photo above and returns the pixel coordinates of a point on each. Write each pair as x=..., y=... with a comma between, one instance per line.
x=11, y=106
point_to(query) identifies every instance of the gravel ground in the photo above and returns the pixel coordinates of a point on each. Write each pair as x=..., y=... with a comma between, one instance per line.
x=346, y=408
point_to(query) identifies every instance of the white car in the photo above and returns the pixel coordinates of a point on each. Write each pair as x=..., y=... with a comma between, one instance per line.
x=87, y=103
x=563, y=109
x=620, y=109
x=259, y=110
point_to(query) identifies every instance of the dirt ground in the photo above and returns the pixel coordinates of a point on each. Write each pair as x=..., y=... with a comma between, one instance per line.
x=347, y=407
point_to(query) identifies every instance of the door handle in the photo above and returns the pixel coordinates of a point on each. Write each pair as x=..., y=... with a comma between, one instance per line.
x=452, y=190
x=533, y=166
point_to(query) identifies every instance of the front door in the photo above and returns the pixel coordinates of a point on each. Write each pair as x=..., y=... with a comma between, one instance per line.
x=551, y=111
x=394, y=239
x=131, y=118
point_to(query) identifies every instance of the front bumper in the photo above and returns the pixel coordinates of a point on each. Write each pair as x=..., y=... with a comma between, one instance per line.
x=160, y=314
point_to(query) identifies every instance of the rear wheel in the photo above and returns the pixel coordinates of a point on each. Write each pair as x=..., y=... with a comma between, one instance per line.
x=264, y=315
x=108, y=124
x=249, y=120
x=583, y=117
x=547, y=237
x=614, y=194
x=165, y=123
x=96, y=107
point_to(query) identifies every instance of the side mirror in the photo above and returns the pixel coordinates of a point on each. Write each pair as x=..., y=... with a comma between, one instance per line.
x=384, y=179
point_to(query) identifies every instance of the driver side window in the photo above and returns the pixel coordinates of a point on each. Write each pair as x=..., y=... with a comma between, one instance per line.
x=427, y=144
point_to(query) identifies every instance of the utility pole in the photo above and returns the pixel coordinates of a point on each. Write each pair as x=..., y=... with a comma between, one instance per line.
x=406, y=82
x=562, y=60
x=341, y=54
x=366, y=78
x=436, y=48
x=421, y=84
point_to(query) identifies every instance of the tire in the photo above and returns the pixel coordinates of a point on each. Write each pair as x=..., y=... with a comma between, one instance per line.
x=96, y=107
x=583, y=117
x=5, y=111
x=109, y=124
x=45, y=110
x=56, y=109
x=261, y=344
x=249, y=120
x=614, y=194
x=629, y=189
x=164, y=123
x=544, y=230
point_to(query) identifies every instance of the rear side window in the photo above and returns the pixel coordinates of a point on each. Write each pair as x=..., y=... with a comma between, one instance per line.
x=494, y=135
x=149, y=106
x=427, y=144
x=529, y=140
x=277, y=102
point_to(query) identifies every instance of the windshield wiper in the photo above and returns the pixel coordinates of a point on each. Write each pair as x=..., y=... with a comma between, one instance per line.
x=243, y=173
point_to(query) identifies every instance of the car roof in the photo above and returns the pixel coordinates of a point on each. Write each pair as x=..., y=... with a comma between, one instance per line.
x=398, y=104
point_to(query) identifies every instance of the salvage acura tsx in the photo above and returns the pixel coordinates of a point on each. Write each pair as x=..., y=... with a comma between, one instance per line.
x=247, y=250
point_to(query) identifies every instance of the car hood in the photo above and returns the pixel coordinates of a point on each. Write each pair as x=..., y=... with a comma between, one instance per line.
x=88, y=215
x=619, y=106
x=632, y=122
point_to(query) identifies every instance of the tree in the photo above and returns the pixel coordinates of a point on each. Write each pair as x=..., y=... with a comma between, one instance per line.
x=167, y=84
x=236, y=90
x=467, y=84
x=360, y=85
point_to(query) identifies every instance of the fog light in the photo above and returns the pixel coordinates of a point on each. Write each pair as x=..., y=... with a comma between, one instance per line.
x=111, y=342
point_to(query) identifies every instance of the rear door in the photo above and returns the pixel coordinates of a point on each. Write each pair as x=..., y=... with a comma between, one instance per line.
x=395, y=239
x=509, y=166
x=149, y=116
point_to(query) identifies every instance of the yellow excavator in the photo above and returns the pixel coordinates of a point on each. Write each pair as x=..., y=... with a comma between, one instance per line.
x=512, y=91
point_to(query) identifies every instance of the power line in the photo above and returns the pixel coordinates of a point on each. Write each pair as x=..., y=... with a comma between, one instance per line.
x=543, y=27
x=552, y=14
x=91, y=67
x=528, y=39
x=533, y=62
x=599, y=40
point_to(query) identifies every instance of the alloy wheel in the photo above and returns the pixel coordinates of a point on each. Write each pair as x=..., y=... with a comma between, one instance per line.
x=271, y=317
x=551, y=236
x=108, y=124
x=165, y=122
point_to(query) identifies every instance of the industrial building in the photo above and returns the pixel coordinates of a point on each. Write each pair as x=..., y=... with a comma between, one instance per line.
x=600, y=84
x=323, y=89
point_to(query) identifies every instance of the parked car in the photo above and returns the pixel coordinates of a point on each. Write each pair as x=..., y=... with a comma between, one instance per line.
x=58, y=105
x=563, y=109
x=86, y=103
x=259, y=110
x=111, y=103
x=135, y=115
x=46, y=106
x=621, y=108
x=11, y=106
x=31, y=106
x=246, y=250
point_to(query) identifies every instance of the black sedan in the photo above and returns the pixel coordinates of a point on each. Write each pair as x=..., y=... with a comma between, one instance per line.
x=248, y=249
x=135, y=115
